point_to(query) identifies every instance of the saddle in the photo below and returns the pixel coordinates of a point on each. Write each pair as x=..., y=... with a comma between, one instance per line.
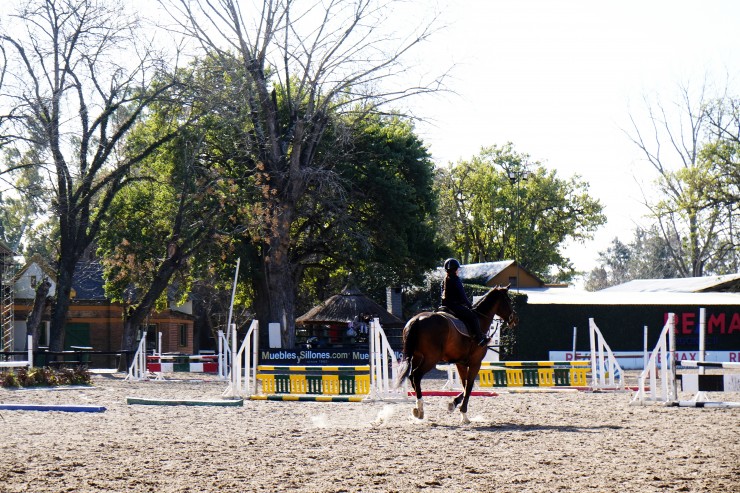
x=461, y=327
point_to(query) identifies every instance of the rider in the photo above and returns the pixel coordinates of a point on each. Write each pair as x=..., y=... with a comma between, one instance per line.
x=454, y=298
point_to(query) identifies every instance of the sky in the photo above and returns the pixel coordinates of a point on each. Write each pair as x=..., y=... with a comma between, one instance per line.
x=561, y=78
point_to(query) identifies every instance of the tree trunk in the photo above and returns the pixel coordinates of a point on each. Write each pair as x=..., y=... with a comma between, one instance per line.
x=39, y=305
x=65, y=273
x=159, y=284
x=279, y=281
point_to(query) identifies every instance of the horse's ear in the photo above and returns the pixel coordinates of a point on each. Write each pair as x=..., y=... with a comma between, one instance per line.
x=507, y=286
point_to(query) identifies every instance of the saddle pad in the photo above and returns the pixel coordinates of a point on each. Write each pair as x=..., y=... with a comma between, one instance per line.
x=456, y=322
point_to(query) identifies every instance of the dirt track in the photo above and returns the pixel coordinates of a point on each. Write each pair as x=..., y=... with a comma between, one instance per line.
x=521, y=442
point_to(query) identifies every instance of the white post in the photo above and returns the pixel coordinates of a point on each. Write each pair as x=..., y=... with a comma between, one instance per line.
x=702, y=337
x=236, y=374
x=575, y=331
x=592, y=342
x=29, y=347
x=255, y=347
x=645, y=352
x=221, y=356
x=159, y=344
x=672, y=393
x=233, y=293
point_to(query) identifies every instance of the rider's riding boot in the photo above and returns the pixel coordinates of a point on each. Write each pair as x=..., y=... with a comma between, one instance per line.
x=477, y=335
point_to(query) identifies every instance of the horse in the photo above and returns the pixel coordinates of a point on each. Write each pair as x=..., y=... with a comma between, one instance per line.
x=431, y=337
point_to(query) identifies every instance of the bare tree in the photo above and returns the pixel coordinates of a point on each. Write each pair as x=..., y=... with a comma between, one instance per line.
x=688, y=218
x=723, y=154
x=79, y=79
x=300, y=63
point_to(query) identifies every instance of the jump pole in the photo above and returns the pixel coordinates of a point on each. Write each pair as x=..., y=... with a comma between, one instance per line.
x=67, y=408
x=702, y=337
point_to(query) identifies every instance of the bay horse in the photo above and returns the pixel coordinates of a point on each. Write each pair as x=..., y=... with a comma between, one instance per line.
x=431, y=337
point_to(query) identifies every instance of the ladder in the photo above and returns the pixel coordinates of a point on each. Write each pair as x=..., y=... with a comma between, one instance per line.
x=7, y=273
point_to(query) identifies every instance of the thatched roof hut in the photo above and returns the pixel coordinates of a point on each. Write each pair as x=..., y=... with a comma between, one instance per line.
x=344, y=307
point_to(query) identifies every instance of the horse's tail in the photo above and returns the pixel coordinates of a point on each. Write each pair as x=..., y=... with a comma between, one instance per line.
x=410, y=341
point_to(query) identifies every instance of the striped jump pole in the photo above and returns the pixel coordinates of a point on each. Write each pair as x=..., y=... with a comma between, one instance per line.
x=700, y=383
x=544, y=374
x=304, y=383
x=374, y=381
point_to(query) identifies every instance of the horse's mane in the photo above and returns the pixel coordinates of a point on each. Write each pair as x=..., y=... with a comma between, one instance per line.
x=488, y=299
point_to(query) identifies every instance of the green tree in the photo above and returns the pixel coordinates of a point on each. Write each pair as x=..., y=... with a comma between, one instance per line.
x=297, y=66
x=81, y=80
x=369, y=210
x=646, y=257
x=687, y=146
x=721, y=153
x=379, y=225
x=488, y=216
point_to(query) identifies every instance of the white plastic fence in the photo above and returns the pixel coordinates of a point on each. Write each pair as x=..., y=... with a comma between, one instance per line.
x=137, y=371
x=383, y=367
x=243, y=375
x=660, y=366
x=29, y=359
x=605, y=370
x=699, y=383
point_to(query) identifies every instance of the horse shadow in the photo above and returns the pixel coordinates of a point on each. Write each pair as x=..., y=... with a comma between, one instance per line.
x=525, y=428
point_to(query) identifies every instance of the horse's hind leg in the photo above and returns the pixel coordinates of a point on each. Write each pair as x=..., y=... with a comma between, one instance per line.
x=417, y=373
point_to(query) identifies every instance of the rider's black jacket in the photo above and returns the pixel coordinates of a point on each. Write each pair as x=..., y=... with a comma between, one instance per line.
x=453, y=293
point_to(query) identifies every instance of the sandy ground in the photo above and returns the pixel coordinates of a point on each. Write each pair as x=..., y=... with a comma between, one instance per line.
x=519, y=442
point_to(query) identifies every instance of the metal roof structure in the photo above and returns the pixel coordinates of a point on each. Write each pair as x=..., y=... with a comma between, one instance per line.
x=570, y=296
x=730, y=282
x=484, y=272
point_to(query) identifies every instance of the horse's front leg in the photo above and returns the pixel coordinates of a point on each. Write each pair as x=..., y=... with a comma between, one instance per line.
x=472, y=373
x=462, y=371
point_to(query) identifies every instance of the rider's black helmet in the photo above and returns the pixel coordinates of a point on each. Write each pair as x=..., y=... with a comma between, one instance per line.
x=451, y=264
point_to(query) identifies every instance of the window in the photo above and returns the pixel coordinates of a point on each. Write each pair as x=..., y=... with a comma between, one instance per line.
x=34, y=282
x=512, y=281
x=183, y=335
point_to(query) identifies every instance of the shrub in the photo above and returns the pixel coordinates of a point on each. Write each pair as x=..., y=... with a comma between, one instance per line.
x=45, y=377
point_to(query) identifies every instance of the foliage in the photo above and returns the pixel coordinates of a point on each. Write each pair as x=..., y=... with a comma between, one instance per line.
x=377, y=225
x=291, y=84
x=45, y=377
x=692, y=152
x=486, y=216
x=80, y=81
x=646, y=257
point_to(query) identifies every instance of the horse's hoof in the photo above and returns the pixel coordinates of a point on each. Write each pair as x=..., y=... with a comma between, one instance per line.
x=464, y=420
x=418, y=414
x=451, y=406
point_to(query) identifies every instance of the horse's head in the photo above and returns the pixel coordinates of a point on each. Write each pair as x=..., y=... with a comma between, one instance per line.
x=497, y=302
